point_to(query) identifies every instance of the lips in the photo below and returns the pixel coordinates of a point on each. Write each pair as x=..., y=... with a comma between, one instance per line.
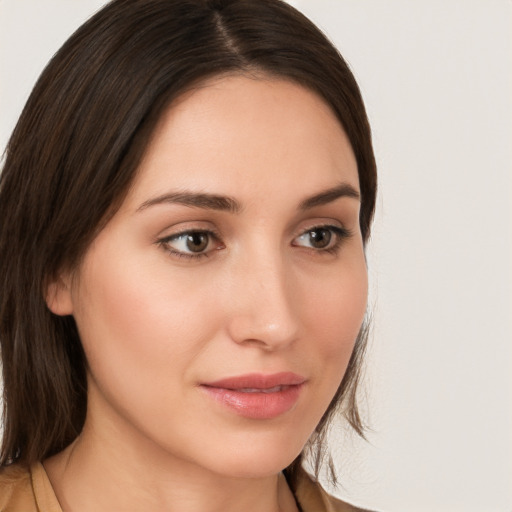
x=257, y=396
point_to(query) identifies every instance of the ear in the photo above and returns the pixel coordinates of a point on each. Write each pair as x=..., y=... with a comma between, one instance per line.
x=58, y=295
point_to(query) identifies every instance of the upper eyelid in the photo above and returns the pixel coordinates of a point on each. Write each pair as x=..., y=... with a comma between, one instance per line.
x=319, y=225
x=164, y=242
x=175, y=236
x=339, y=231
x=189, y=231
x=326, y=224
x=169, y=233
x=331, y=223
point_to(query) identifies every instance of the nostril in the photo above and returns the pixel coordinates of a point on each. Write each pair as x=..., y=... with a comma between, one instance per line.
x=262, y=306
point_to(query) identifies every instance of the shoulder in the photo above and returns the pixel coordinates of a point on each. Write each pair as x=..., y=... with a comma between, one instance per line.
x=16, y=491
x=312, y=497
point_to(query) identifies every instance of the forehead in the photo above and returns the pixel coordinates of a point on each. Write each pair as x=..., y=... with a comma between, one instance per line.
x=236, y=134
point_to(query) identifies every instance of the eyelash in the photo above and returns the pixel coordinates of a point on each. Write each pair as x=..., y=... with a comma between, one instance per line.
x=164, y=242
x=340, y=234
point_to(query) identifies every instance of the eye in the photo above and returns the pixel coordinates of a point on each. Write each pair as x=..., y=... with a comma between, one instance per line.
x=191, y=244
x=322, y=238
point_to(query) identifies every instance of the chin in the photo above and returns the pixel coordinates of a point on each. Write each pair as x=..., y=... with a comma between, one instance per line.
x=259, y=467
x=256, y=458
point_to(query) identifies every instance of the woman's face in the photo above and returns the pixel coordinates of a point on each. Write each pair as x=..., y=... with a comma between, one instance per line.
x=219, y=307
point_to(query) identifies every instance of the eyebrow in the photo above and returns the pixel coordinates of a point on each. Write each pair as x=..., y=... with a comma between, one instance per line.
x=197, y=200
x=230, y=204
x=330, y=195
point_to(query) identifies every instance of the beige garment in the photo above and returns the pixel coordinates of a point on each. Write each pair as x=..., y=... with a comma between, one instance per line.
x=24, y=490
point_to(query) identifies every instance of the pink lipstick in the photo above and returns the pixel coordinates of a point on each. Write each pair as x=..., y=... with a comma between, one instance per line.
x=257, y=396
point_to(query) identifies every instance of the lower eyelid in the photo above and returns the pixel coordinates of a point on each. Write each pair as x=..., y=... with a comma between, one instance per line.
x=165, y=243
x=340, y=233
x=186, y=255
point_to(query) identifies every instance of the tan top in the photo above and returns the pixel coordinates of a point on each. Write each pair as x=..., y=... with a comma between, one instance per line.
x=23, y=490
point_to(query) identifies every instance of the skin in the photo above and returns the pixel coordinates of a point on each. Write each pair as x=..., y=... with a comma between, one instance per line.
x=155, y=323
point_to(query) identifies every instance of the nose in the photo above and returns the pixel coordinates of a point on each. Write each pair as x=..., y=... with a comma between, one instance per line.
x=263, y=303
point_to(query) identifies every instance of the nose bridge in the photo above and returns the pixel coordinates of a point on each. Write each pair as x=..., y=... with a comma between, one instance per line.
x=263, y=309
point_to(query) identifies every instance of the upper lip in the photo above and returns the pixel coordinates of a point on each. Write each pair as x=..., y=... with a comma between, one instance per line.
x=258, y=381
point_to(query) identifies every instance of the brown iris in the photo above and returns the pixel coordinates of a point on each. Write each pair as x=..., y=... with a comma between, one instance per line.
x=320, y=237
x=197, y=242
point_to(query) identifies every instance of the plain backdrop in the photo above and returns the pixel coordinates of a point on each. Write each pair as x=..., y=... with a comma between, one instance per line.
x=437, y=80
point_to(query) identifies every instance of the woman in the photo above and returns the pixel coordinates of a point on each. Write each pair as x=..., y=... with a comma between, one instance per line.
x=184, y=207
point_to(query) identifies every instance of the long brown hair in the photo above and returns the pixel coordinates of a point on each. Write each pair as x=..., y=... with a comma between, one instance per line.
x=74, y=154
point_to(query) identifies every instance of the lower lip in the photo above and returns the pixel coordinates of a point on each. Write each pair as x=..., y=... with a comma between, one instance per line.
x=257, y=405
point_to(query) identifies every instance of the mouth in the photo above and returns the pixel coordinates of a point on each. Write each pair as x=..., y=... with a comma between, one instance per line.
x=275, y=389
x=257, y=396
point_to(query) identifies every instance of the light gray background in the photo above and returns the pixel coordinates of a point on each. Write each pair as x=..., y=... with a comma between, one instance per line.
x=437, y=79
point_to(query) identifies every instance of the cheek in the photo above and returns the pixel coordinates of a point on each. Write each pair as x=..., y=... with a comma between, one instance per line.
x=138, y=320
x=140, y=335
x=336, y=310
x=332, y=316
